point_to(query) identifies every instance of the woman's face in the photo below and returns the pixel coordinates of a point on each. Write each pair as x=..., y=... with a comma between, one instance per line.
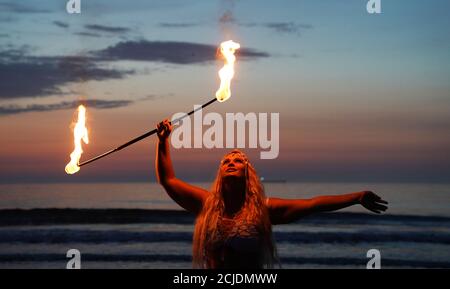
x=233, y=165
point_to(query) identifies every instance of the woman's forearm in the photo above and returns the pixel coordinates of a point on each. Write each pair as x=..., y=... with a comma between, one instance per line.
x=283, y=211
x=163, y=162
x=332, y=203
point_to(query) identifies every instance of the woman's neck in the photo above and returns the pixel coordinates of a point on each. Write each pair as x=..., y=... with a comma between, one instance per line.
x=233, y=192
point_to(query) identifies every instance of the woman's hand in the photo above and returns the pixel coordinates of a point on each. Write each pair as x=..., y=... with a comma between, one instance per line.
x=372, y=202
x=164, y=129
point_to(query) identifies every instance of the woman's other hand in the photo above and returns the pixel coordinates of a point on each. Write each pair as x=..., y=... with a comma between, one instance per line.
x=372, y=202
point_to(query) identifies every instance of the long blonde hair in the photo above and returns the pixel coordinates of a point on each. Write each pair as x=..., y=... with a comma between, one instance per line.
x=254, y=211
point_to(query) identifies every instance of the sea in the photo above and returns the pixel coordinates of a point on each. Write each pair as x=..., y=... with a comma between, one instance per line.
x=136, y=226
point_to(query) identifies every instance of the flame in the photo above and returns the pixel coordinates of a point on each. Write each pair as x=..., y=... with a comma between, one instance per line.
x=227, y=49
x=80, y=132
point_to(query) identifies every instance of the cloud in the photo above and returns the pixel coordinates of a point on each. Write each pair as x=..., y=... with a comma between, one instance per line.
x=88, y=34
x=287, y=27
x=168, y=52
x=281, y=27
x=14, y=7
x=227, y=18
x=109, y=29
x=31, y=76
x=91, y=103
x=61, y=24
x=22, y=75
x=177, y=25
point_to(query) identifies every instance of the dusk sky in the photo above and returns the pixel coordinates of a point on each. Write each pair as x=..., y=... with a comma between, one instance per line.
x=361, y=97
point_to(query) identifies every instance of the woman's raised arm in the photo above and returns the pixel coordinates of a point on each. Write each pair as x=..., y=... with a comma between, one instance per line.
x=189, y=197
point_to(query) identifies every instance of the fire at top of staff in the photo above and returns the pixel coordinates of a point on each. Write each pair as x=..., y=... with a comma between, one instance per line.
x=227, y=49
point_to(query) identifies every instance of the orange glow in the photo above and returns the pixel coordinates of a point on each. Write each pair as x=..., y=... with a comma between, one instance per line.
x=80, y=132
x=227, y=49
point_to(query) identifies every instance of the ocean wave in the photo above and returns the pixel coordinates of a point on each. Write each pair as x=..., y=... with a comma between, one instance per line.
x=59, y=236
x=17, y=217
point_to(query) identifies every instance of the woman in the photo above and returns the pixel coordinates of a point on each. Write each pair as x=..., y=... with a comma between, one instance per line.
x=234, y=221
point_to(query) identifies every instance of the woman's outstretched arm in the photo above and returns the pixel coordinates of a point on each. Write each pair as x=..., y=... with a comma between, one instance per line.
x=284, y=211
x=187, y=196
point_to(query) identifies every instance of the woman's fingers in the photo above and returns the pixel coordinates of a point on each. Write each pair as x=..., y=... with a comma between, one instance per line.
x=163, y=123
x=380, y=207
x=168, y=124
x=375, y=211
x=381, y=204
x=376, y=208
x=164, y=128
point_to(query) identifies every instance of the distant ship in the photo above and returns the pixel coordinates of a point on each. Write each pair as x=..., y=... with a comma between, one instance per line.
x=264, y=180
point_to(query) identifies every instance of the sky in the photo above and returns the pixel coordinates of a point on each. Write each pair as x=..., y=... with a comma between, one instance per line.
x=361, y=97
